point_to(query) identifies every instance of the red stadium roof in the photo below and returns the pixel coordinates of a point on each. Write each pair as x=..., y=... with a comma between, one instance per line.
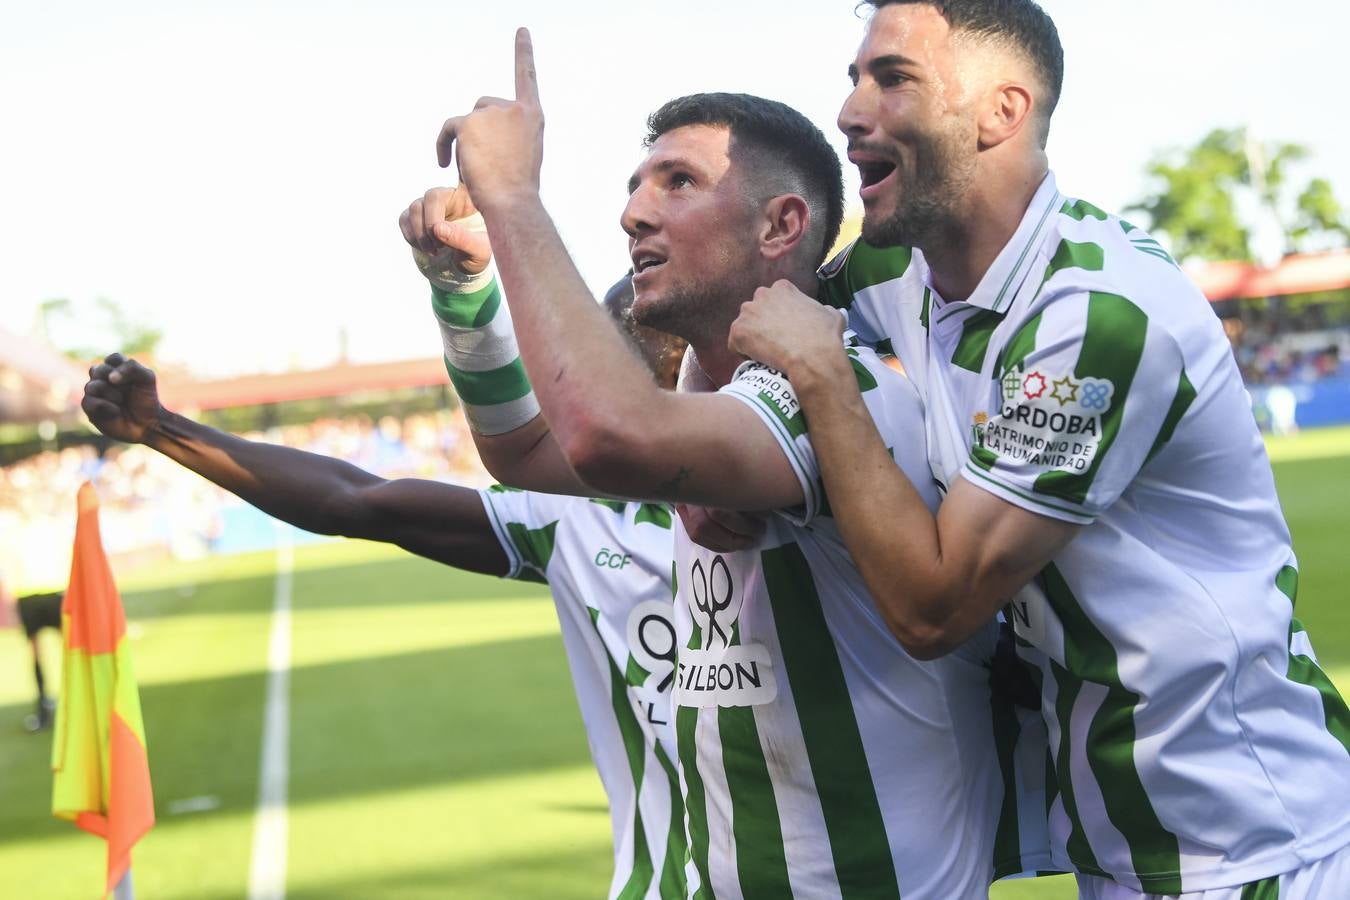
x=1300, y=274
x=333, y=381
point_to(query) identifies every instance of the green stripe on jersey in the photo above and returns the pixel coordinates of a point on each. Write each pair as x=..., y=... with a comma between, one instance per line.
x=1078, y=848
x=1081, y=209
x=1113, y=344
x=1157, y=252
x=695, y=799
x=1286, y=580
x=761, y=864
x=1070, y=255
x=866, y=380
x=1302, y=670
x=1016, y=350
x=472, y=310
x=673, y=885
x=1008, y=837
x=1091, y=659
x=654, y=513
x=927, y=308
x=974, y=344
x=500, y=385
x=1181, y=401
x=643, y=871
x=1305, y=670
x=795, y=426
x=863, y=267
x=535, y=545
x=863, y=863
x=634, y=674
x=1012, y=355
x=1265, y=889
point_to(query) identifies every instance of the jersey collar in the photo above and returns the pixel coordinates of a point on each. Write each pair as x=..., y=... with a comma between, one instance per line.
x=1017, y=258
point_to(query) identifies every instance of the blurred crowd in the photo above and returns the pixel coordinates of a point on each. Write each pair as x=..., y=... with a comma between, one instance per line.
x=154, y=507
x=1283, y=347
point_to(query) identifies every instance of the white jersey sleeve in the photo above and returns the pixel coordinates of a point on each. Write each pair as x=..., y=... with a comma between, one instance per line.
x=890, y=398
x=1089, y=390
x=768, y=392
x=525, y=523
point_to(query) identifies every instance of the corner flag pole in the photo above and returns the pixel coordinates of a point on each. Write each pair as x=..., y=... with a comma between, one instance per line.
x=100, y=771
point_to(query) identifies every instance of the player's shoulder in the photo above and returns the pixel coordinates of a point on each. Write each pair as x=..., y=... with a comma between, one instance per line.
x=859, y=266
x=618, y=517
x=1090, y=250
x=889, y=394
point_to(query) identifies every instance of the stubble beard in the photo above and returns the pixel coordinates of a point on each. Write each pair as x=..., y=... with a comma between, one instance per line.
x=699, y=309
x=927, y=209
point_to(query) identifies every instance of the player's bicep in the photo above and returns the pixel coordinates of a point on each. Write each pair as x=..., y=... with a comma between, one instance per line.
x=996, y=546
x=715, y=450
x=442, y=522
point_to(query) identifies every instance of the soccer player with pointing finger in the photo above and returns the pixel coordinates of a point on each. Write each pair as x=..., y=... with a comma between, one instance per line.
x=816, y=757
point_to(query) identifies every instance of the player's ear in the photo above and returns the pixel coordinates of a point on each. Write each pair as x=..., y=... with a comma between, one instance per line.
x=783, y=226
x=1006, y=112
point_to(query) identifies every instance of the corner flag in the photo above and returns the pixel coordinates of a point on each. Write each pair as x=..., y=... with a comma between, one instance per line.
x=101, y=776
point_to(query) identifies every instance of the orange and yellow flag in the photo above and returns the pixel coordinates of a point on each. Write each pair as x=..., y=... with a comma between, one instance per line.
x=101, y=775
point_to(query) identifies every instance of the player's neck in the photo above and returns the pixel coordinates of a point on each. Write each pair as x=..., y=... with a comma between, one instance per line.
x=960, y=257
x=710, y=350
x=717, y=362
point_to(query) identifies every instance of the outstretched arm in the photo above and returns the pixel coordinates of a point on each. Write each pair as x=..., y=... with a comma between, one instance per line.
x=443, y=522
x=936, y=579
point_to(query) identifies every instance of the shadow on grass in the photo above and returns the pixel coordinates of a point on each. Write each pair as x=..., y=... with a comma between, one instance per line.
x=358, y=727
x=432, y=717
x=203, y=740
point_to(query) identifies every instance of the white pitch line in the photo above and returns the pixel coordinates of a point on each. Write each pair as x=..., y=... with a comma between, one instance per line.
x=267, y=872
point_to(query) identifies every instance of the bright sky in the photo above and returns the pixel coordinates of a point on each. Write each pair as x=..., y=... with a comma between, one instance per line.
x=234, y=170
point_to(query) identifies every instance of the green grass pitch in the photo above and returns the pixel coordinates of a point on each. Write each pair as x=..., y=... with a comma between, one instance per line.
x=436, y=748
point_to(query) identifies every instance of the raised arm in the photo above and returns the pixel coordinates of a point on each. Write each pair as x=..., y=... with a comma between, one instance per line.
x=443, y=522
x=935, y=579
x=617, y=430
x=451, y=250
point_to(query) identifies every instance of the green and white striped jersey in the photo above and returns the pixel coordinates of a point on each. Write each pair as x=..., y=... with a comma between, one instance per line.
x=818, y=759
x=1195, y=742
x=608, y=566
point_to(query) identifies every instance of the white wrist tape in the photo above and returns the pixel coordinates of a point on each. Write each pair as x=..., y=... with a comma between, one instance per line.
x=482, y=358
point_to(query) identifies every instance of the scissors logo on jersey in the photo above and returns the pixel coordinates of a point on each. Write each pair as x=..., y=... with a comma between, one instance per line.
x=721, y=669
x=713, y=593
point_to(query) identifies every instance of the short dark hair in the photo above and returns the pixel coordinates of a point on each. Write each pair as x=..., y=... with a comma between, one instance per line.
x=774, y=132
x=1019, y=23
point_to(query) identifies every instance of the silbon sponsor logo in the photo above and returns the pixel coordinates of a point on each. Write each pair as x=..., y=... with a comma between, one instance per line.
x=732, y=676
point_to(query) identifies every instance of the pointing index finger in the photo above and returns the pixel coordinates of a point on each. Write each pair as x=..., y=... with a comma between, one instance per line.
x=527, y=85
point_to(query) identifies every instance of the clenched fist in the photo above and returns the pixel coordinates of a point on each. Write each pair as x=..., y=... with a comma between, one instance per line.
x=446, y=234
x=121, y=399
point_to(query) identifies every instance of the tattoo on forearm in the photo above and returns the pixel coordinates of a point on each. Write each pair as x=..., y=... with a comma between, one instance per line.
x=673, y=485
